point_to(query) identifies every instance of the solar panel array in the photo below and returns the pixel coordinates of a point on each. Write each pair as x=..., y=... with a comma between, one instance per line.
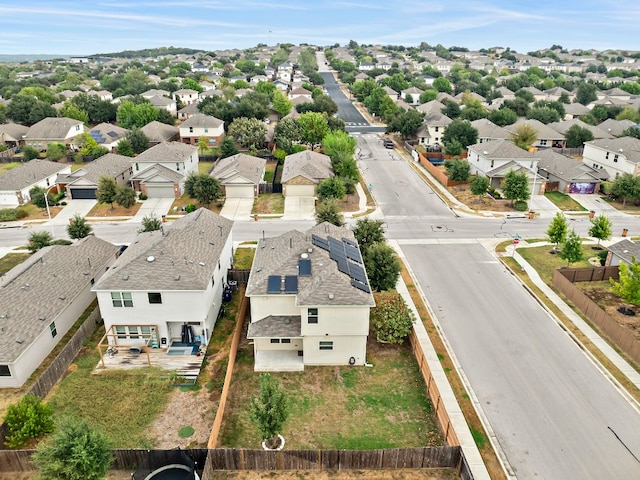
x=304, y=267
x=291, y=284
x=97, y=136
x=273, y=284
x=347, y=256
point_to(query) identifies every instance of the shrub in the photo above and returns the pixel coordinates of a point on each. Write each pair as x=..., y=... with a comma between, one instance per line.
x=520, y=206
x=11, y=214
x=143, y=196
x=602, y=255
x=457, y=169
x=29, y=418
x=190, y=208
x=494, y=193
x=391, y=319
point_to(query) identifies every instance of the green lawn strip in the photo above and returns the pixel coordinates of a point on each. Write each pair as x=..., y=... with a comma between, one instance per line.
x=5, y=167
x=564, y=202
x=205, y=167
x=340, y=407
x=545, y=263
x=243, y=258
x=123, y=403
x=269, y=171
x=10, y=260
x=268, y=203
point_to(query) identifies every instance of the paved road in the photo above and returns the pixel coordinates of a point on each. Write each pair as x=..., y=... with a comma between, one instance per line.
x=549, y=406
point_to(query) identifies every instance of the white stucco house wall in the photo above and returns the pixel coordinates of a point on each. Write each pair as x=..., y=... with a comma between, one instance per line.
x=310, y=300
x=168, y=278
x=615, y=155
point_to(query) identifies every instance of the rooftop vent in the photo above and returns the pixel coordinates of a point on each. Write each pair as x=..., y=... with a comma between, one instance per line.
x=62, y=297
x=150, y=258
x=176, y=277
x=125, y=277
x=202, y=264
x=304, y=256
x=20, y=341
x=331, y=297
x=42, y=318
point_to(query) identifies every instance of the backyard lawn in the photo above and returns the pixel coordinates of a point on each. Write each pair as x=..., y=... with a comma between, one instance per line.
x=242, y=258
x=205, y=167
x=5, y=167
x=340, y=407
x=269, y=170
x=564, y=202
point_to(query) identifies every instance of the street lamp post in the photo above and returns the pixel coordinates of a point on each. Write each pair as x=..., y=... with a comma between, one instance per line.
x=46, y=202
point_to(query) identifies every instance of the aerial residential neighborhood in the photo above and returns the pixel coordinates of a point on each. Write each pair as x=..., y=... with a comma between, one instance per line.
x=415, y=258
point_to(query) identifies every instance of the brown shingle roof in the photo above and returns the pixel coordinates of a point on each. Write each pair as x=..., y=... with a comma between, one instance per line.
x=312, y=165
x=29, y=173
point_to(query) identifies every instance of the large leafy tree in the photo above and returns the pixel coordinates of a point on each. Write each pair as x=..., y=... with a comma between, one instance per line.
x=327, y=211
x=391, y=318
x=281, y=104
x=544, y=114
x=204, y=188
x=515, y=186
x=313, y=127
x=368, y=232
x=626, y=187
x=90, y=147
x=228, y=147
x=405, y=122
x=125, y=148
x=460, y=131
x=577, y=135
x=71, y=110
x=586, y=93
x=571, y=249
x=106, y=191
x=628, y=284
x=339, y=146
x=503, y=117
x=332, y=187
x=442, y=85
x=269, y=409
x=28, y=110
x=136, y=115
x=98, y=110
x=139, y=141
x=287, y=134
x=78, y=227
x=383, y=266
x=457, y=169
x=76, y=451
x=248, y=132
x=558, y=228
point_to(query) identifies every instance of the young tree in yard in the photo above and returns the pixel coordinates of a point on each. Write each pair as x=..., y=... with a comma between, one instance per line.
x=125, y=148
x=38, y=240
x=628, y=284
x=524, y=136
x=368, y=232
x=332, y=187
x=327, y=211
x=203, y=144
x=76, y=451
x=281, y=104
x=29, y=419
x=29, y=153
x=383, y=267
x=125, y=196
x=601, y=228
x=571, y=249
x=248, y=132
x=228, y=147
x=479, y=185
x=577, y=135
x=106, y=191
x=516, y=186
x=78, y=227
x=269, y=409
x=391, y=318
x=55, y=151
x=204, y=188
x=558, y=228
x=150, y=223
x=626, y=187
x=37, y=197
x=457, y=169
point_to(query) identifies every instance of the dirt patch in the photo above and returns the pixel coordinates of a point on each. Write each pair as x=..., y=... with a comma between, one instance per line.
x=485, y=202
x=105, y=210
x=350, y=203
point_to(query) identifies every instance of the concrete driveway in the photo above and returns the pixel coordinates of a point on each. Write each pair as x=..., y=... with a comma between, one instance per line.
x=153, y=206
x=299, y=208
x=73, y=207
x=237, y=209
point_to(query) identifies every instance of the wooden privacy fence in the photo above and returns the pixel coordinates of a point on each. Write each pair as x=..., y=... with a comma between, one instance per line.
x=619, y=335
x=217, y=423
x=589, y=274
x=437, y=173
x=240, y=276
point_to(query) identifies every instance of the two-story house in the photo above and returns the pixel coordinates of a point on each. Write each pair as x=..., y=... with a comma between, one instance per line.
x=201, y=125
x=310, y=300
x=615, y=155
x=166, y=279
x=186, y=96
x=432, y=128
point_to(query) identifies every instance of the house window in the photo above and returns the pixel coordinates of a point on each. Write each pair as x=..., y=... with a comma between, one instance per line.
x=4, y=371
x=177, y=166
x=206, y=130
x=286, y=340
x=275, y=340
x=54, y=331
x=145, y=330
x=190, y=129
x=312, y=315
x=213, y=281
x=615, y=158
x=607, y=156
x=155, y=297
x=543, y=142
x=121, y=299
x=137, y=167
x=133, y=332
x=436, y=129
x=121, y=331
x=492, y=163
x=326, y=345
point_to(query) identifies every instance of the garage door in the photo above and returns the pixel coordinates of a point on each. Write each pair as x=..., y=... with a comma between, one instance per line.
x=8, y=199
x=300, y=190
x=83, y=193
x=239, y=191
x=160, y=191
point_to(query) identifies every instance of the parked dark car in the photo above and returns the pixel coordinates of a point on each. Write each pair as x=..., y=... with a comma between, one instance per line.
x=388, y=144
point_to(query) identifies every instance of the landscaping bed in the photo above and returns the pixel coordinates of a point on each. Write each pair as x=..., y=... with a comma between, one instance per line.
x=350, y=203
x=184, y=200
x=484, y=202
x=106, y=210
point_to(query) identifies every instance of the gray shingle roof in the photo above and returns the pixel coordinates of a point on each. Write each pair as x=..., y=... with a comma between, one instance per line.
x=615, y=127
x=567, y=168
x=273, y=326
x=576, y=109
x=247, y=166
x=544, y=131
x=110, y=132
x=53, y=128
x=487, y=129
x=312, y=165
x=280, y=255
x=563, y=126
x=626, y=249
x=185, y=254
x=43, y=286
x=501, y=149
x=29, y=173
x=158, y=169
x=629, y=147
x=13, y=131
x=166, y=152
x=160, y=132
x=200, y=120
x=110, y=165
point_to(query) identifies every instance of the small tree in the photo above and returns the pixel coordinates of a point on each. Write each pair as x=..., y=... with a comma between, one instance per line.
x=327, y=211
x=516, y=186
x=571, y=249
x=106, y=191
x=457, y=169
x=368, y=232
x=125, y=196
x=55, y=151
x=125, y=148
x=38, y=240
x=628, y=284
x=204, y=188
x=203, y=144
x=139, y=141
x=150, y=223
x=76, y=451
x=29, y=153
x=78, y=228
x=332, y=187
x=558, y=228
x=228, y=147
x=627, y=187
x=28, y=419
x=269, y=409
x=383, y=266
x=37, y=197
x=524, y=136
x=391, y=318
x=479, y=185
x=601, y=228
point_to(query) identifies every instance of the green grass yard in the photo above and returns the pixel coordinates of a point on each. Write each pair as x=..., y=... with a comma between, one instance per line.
x=546, y=263
x=564, y=202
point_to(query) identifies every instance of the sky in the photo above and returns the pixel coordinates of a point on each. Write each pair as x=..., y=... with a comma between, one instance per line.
x=68, y=27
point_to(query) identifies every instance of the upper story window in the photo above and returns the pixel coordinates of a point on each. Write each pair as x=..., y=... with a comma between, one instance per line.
x=607, y=156
x=312, y=315
x=190, y=129
x=54, y=330
x=121, y=299
x=4, y=371
x=615, y=158
x=154, y=297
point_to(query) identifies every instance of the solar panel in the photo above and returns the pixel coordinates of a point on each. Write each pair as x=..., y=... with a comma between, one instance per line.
x=304, y=267
x=343, y=266
x=357, y=272
x=291, y=284
x=337, y=255
x=349, y=242
x=361, y=286
x=353, y=253
x=319, y=242
x=112, y=134
x=273, y=284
